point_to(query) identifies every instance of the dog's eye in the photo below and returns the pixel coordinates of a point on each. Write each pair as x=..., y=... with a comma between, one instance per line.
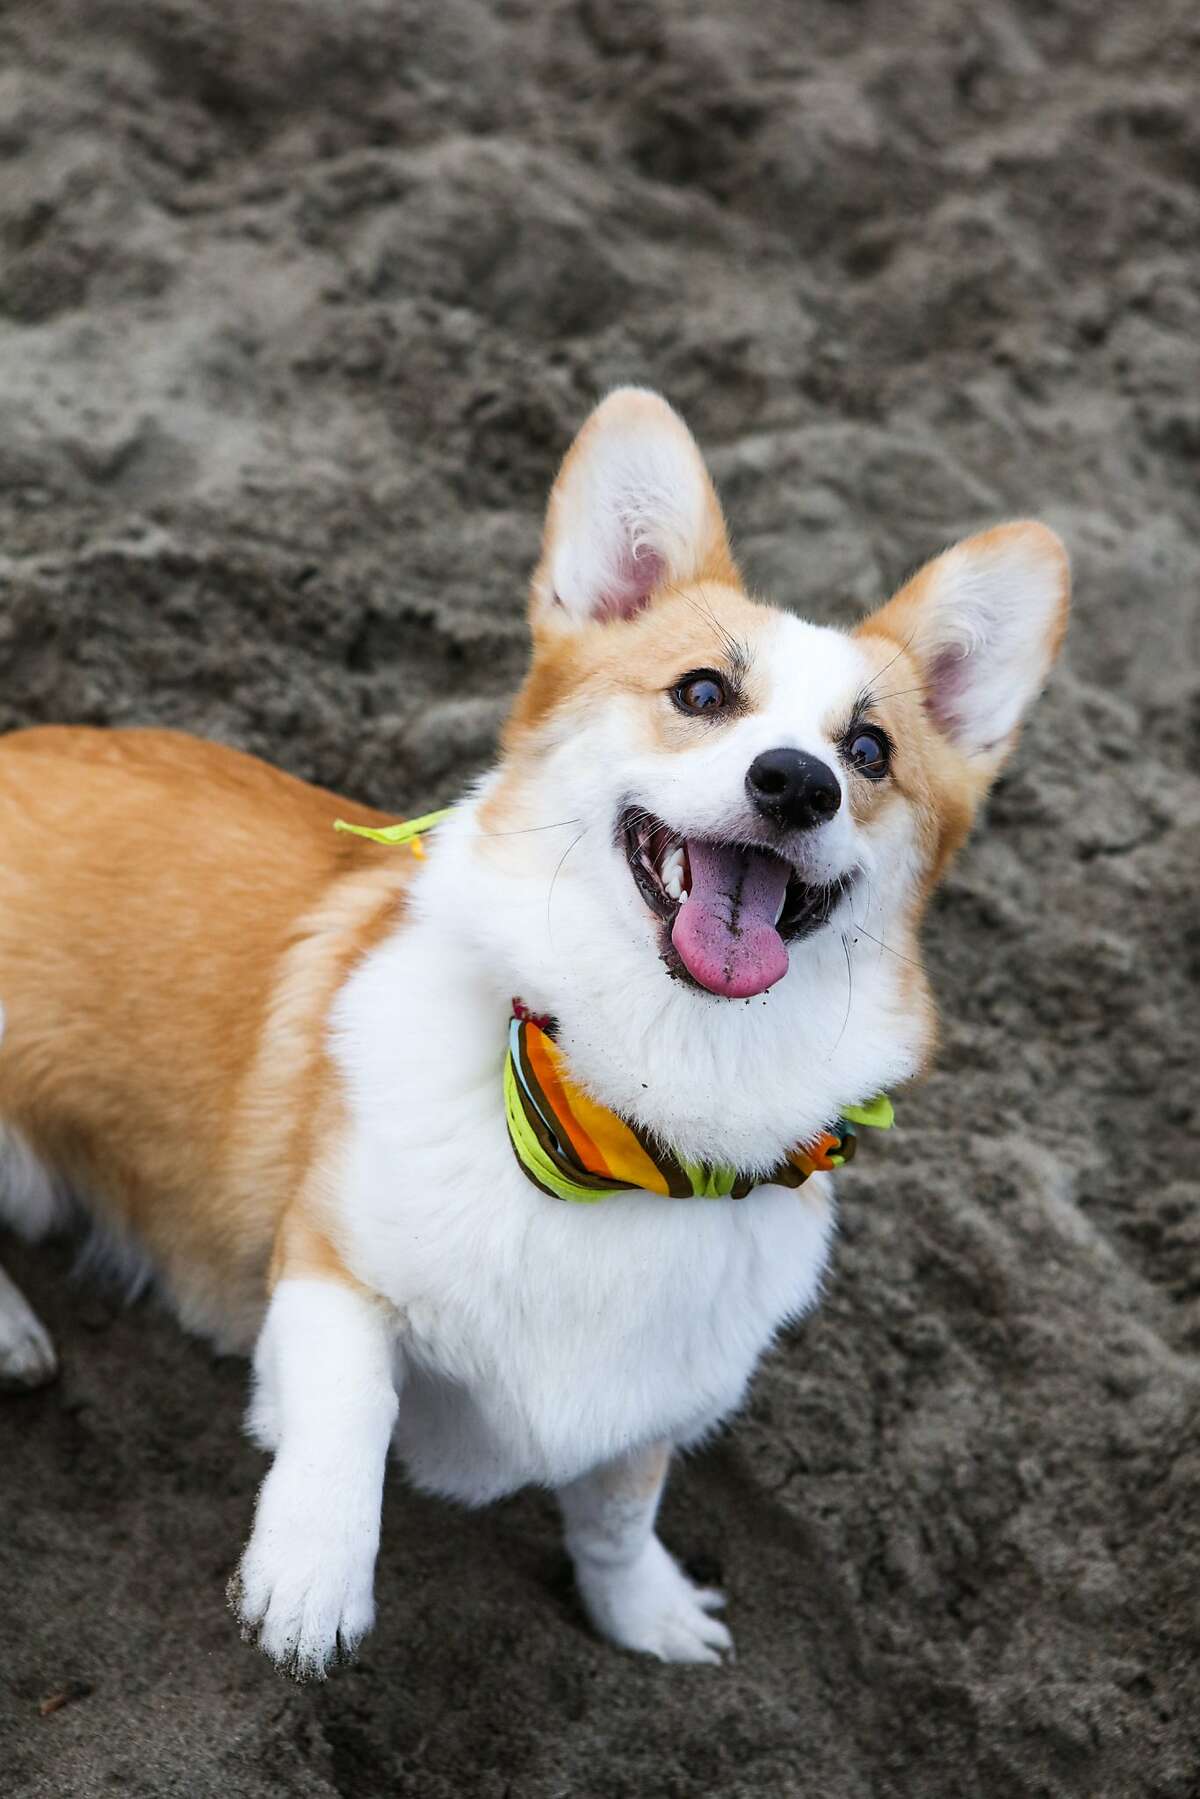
x=703, y=691
x=869, y=752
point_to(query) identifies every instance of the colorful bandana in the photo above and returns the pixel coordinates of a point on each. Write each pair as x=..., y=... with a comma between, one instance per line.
x=577, y=1150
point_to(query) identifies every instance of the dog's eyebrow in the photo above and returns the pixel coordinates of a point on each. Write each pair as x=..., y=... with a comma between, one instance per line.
x=736, y=649
x=859, y=710
x=739, y=658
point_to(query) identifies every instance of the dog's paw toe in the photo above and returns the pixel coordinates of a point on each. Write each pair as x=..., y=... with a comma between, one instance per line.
x=304, y=1589
x=306, y=1624
x=689, y=1634
x=654, y=1608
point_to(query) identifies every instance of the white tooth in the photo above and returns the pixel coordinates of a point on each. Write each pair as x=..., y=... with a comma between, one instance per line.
x=683, y=897
x=673, y=884
x=672, y=864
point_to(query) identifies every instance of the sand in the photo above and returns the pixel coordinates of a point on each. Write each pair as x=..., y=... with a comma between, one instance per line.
x=299, y=305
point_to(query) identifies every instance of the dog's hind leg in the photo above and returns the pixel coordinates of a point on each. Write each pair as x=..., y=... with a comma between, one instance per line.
x=27, y=1357
x=32, y=1205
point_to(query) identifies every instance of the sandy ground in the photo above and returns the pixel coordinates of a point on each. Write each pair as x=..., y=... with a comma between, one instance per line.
x=299, y=304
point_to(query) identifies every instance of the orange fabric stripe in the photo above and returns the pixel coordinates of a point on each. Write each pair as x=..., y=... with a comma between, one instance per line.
x=623, y=1156
x=602, y=1141
x=620, y=1148
x=813, y=1158
x=544, y=1063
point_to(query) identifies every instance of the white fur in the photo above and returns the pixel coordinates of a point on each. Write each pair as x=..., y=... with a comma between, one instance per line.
x=635, y=1592
x=325, y=1401
x=32, y=1204
x=985, y=633
x=564, y=927
x=27, y=1356
x=630, y=511
x=541, y=1339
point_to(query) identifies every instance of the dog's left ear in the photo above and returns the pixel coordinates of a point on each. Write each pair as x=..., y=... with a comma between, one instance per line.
x=633, y=510
x=983, y=623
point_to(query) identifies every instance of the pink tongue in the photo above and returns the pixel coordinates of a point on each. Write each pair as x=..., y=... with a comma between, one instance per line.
x=725, y=929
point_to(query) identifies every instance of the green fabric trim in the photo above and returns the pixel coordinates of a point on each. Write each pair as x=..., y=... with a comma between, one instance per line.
x=533, y=1157
x=392, y=834
x=878, y=1113
x=709, y=1183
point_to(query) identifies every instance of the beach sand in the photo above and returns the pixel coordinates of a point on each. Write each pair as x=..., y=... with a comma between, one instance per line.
x=299, y=306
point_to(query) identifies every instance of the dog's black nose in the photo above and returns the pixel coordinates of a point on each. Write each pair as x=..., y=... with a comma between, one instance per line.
x=793, y=789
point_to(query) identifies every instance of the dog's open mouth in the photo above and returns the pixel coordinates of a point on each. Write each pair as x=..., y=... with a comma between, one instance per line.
x=729, y=910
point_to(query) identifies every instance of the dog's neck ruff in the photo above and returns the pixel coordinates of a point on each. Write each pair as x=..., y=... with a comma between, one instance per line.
x=575, y=1149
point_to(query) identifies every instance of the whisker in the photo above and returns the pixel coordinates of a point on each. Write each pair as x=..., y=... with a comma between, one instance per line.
x=703, y=609
x=849, y=993
x=899, y=692
x=636, y=820
x=863, y=931
x=640, y=817
x=870, y=903
x=526, y=830
x=900, y=652
x=554, y=877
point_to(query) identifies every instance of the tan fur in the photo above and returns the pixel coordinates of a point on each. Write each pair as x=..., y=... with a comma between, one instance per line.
x=175, y=919
x=683, y=628
x=641, y=658
x=943, y=787
x=946, y=786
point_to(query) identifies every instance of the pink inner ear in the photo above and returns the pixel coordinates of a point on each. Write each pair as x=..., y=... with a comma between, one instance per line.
x=639, y=574
x=948, y=679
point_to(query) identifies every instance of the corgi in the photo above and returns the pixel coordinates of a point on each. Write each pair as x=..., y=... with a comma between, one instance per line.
x=280, y=1063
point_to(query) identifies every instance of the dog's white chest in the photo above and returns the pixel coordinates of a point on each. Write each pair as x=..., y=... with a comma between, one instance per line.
x=541, y=1338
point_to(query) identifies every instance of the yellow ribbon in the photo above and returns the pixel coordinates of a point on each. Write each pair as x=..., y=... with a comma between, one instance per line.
x=410, y=831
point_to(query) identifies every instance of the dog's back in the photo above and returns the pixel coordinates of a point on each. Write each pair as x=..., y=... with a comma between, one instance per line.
x=174, y=917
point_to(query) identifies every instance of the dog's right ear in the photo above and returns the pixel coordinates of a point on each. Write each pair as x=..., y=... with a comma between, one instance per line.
x=983, y=622
x=633, y=510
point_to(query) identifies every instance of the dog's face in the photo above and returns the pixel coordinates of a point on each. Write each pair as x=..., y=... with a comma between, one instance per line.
x=739, y=781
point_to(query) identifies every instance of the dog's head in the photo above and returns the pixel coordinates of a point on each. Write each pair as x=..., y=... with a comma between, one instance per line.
x=732, y=782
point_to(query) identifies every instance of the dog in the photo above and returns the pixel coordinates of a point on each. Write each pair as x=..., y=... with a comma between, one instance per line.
x=506, y=1143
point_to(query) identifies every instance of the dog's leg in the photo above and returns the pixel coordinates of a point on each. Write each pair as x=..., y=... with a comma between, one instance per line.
x=27, y=1356
x=31, y=1204
x=325, y=1401
x=632, y=1589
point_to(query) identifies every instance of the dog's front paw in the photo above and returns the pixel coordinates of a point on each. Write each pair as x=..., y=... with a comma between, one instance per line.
x=304, y=1588
x=652, y=1606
